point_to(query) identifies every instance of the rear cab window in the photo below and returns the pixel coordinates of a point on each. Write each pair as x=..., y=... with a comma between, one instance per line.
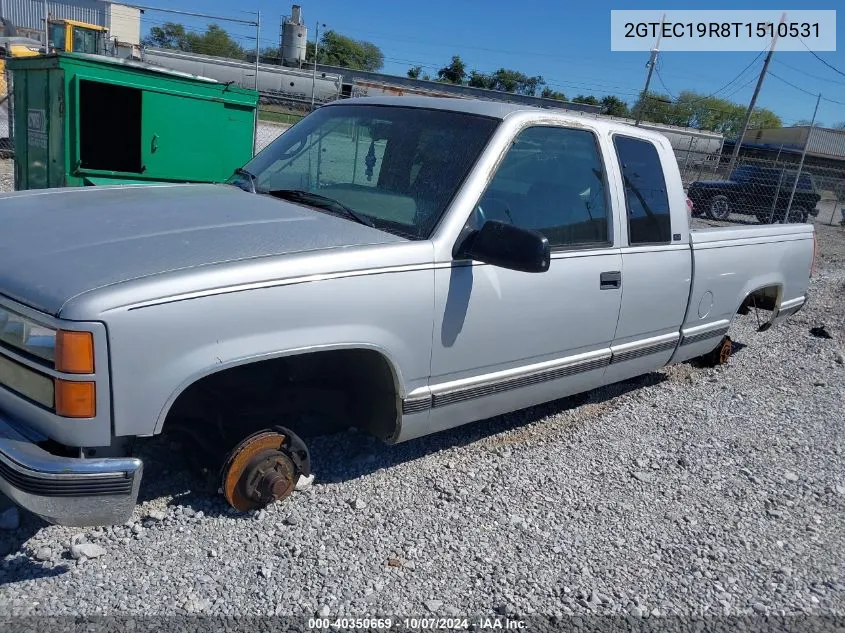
x=646, y=198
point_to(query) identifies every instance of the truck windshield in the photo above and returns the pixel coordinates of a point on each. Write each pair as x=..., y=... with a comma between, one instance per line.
x=396, y=168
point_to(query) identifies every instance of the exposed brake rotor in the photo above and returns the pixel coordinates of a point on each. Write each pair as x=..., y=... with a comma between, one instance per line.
x=725, y=350
x=263, y=468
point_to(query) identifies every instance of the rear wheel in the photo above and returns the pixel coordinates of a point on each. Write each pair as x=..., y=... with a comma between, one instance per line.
x=720, y=355
x=719, y=208
x=797, y=214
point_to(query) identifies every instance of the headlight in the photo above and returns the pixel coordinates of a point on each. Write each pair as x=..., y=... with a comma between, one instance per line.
x=27, y=336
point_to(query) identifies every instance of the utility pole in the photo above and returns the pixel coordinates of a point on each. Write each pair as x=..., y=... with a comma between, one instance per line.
x=46, y=29
x=751, y=105
x=257, y=105
x=257, y=46
x=652, y=60
x=801, y=162
x=314, y=72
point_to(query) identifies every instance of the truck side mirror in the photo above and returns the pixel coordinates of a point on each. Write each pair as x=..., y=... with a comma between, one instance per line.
x=501, y=244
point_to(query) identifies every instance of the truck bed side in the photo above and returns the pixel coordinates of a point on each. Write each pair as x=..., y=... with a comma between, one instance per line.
x=771, y=262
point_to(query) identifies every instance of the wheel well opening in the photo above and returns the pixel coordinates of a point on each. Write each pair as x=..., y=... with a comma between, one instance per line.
x=766, y=298
x=313, y=394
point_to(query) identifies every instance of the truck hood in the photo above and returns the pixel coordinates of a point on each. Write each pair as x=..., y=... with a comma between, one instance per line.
x=56, y=244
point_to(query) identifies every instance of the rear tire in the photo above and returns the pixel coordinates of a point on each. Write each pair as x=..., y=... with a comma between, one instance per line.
x=720, y=355
x=798, y=215
x=719, y=208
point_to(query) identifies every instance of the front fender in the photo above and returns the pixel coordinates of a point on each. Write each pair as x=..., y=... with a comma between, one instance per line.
x=159, y=350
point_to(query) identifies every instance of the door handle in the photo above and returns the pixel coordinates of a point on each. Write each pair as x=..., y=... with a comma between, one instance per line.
x=610, y=280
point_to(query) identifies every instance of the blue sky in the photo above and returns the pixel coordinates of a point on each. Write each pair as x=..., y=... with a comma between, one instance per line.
x=567, y=43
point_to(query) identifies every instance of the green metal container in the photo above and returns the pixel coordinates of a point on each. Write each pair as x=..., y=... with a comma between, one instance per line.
x=92, y=120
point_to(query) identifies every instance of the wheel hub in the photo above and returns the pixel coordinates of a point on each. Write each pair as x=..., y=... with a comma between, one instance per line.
x=263, y=468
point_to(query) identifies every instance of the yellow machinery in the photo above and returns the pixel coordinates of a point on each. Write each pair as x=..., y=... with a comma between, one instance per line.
x=70, y=36
x=15, y=46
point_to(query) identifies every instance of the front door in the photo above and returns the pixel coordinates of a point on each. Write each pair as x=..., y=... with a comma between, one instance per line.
x=503, y=339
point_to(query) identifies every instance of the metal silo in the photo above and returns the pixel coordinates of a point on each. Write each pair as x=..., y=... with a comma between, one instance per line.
x=294, y=37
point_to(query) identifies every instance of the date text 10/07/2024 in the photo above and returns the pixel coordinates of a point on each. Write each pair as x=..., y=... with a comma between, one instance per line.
x=417, y=624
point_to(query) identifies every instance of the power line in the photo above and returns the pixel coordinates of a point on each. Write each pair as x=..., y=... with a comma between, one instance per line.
x=804, y=90
x=833, y=81
x=740, y=88
x=813, y=53
x=660, y=79
x=715, y=92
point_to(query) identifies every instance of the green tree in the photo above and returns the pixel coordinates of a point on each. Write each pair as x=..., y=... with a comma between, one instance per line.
x=704, y=112
x=170, y=35
x=652, y=107
x=480, y=80
x=455, y=72
x=414, y=72
x=215, y=41
x=548, y=93
x=588, y=99
x=614, y=106
x=763, y=118
x=507, y=80
x=339, y=50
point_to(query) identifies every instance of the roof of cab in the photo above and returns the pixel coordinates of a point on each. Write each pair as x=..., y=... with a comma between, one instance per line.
x=498, y=110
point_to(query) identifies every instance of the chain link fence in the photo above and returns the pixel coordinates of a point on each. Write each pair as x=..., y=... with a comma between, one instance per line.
x=763, y=190
x=275, y=115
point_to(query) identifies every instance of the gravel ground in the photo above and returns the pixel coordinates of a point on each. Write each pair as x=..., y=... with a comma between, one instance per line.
x=267, y=133
x=7, y=175
x=686, y=491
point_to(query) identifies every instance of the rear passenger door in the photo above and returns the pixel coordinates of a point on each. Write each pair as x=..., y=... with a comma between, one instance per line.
x=656, y=259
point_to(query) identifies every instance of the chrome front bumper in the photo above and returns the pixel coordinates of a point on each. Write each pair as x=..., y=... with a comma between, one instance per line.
x=66, y=490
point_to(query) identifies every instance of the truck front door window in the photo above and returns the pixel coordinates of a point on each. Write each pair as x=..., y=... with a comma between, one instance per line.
x=552, y=180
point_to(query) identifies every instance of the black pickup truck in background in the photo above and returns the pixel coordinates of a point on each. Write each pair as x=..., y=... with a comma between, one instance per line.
x=759, y=191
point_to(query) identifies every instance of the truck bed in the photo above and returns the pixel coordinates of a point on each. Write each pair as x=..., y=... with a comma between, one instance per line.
x=731, y=263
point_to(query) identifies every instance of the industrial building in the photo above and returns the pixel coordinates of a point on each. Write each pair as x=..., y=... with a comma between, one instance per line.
x=123, y=22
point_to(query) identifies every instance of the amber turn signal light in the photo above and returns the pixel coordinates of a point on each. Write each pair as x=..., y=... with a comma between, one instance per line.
x=74, y=352
x=75, y=399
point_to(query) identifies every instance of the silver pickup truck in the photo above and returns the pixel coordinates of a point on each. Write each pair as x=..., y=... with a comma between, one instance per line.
x=401, y=265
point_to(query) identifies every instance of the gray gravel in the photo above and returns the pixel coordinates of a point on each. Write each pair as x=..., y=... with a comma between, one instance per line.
x=687, y=491
x=7, y=175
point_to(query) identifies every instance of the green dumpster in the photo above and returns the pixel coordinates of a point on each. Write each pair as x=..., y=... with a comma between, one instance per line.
x=94, y=120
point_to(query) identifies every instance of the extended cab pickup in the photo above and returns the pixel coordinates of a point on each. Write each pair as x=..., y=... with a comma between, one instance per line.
x=402, y=265
x=764, y=192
